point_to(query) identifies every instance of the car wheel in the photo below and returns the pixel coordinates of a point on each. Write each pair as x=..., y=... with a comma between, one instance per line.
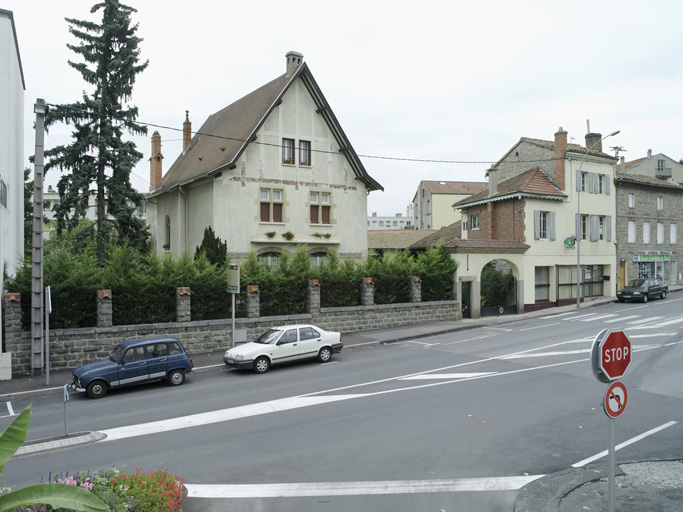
x=645, y=298
x=325, y=354
x=96, y=389
x=622, y=300
x=664, y=294
x=176, y=377
x=262, y=365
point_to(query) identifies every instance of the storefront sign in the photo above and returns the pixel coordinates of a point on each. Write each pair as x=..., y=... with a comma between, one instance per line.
x=651, y=257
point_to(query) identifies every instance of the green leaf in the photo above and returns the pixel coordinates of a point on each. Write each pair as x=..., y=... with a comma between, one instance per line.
x=55, y=495
x=14, y=436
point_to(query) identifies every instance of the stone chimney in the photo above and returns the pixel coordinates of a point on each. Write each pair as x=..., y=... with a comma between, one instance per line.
x=622, y=163
x=492, y=175
x=294, y=60
x=649, y=153
x=560, y=152
x=594, y=138
x=187, y=131
x=155, y=162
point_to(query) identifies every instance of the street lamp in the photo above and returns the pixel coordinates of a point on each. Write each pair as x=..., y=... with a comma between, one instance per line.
x=578, y=222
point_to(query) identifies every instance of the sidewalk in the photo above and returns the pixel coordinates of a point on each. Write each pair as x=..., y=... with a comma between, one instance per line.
x=648, y=485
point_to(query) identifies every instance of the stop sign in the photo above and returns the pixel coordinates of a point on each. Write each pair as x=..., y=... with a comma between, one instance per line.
x=611, y=355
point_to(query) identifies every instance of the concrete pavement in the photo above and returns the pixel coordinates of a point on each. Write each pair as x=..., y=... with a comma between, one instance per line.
x=641, y=485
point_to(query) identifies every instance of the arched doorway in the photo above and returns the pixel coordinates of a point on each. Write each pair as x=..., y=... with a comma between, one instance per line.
x=498, y=290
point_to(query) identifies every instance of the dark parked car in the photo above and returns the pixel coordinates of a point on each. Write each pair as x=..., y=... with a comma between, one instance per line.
x=643, y=290
x=134, y=362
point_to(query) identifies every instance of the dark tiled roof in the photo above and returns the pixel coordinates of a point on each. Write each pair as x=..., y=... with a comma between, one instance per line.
x=446, y=233
x=395, y=238
x=533, y=182
x=638, y=179
x=454, y=187
x=458, y=245
x=225, y=135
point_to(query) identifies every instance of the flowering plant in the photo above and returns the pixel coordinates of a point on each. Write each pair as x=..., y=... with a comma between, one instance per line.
x=288, y=235
x=322, y=235
x=288, y=160
x=270, y=234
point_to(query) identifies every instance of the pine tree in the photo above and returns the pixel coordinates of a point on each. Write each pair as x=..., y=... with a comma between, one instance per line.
x=216, y=251
x=98, y=153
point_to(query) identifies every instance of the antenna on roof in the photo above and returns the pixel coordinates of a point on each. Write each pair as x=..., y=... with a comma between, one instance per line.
x=588, y=125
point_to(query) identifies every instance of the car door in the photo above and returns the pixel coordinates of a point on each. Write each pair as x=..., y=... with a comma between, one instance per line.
x=286, y=348
x=310, y=341
x=157, y=360
x=133, y=367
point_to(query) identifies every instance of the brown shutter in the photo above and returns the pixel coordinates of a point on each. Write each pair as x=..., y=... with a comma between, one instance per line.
x=314, y=214
x=277, y=212
x=326, y=215
x=265, y=212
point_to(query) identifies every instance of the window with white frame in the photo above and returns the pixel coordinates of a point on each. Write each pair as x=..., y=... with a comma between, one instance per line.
x=584, y=181
x=270, y=204
x=673, y=233
x=320, y=207
x=475, y=221
x=542, y=233
x=304, y=152
x=646, y=232
x=660, y=202
x=660, y=165
x=287, y=151
x=463, y=229
x=631, y=200
x=632, y=231
x=601, y=227
x=601, y=184
x=660, y=232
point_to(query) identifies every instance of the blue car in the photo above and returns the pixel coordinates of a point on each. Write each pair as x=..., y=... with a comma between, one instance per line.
x=134, y=362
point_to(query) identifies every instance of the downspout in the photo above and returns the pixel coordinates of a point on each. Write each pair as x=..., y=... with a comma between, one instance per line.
x=187, y=219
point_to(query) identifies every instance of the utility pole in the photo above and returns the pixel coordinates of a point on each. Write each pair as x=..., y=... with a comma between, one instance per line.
x=37, y=268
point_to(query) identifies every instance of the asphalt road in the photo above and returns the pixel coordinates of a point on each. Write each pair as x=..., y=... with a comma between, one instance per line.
x=458, y=421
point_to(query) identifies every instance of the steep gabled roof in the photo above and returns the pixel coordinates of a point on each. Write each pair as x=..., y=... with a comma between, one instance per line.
x=226, y=134
x=532, y=183
x=549, y=144
x=454, y=187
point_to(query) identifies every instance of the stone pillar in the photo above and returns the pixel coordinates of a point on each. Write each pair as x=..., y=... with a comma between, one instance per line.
x=253, y=301
x=367, y=292
x=313, y=301
x=183, y=306
x=12, y=331
x=104, y=308
x=415, y=289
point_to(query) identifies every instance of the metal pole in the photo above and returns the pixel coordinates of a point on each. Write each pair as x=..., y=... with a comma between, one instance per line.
x=610, y=475
x=47, y=336
x=40, y=110
x=233, y=320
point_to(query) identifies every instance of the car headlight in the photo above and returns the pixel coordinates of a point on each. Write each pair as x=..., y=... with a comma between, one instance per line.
x=239, y=357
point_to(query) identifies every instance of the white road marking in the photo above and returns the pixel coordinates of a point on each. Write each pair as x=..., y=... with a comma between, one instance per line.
x=545, y=354
x=207, y=418
x=581, y=316
x=621, y=319
x=600, y=317
x=669, y=322
x=539, y=327
x=10, y=409
x=624, y=444
x=447, y=376
x=424, y=344
x=498, y=328
x=645, y=320
x=289, y=490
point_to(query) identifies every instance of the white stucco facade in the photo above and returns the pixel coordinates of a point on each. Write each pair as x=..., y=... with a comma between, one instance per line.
x=231, y=202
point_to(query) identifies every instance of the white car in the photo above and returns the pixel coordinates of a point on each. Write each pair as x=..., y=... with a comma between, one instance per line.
x=283, y=344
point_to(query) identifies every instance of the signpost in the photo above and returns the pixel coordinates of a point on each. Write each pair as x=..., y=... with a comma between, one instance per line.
x=233, y=289
x=610, y=359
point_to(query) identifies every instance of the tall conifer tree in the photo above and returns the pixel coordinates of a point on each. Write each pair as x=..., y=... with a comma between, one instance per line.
x=98, y=153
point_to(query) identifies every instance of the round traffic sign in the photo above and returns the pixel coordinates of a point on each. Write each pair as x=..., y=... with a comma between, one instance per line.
x=615, y=400
x=610, y=355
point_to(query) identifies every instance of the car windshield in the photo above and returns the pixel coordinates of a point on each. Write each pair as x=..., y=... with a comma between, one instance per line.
x=117, y=353
x=269, y=337
x=636, y=283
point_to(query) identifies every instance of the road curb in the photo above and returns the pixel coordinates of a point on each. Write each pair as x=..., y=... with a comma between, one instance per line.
x=53, y=443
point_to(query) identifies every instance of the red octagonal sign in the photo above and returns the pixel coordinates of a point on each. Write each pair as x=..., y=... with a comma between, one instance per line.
x=615, y=355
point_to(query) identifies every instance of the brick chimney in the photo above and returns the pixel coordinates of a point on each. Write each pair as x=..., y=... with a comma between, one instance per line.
x=187, y=131
x=560, y=151
x=649, y=153
x=155, y=162
x=492, y=175
x=593, y=138
x=294, y=59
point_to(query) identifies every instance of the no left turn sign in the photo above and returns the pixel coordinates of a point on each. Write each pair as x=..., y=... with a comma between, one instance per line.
x=615, y=400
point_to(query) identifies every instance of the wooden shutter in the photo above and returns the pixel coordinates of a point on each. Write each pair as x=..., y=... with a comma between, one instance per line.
x=551, y=225
x=595, y=228
x=608, y=227
x=265, y=212
x=277, y=212
x=537, y=224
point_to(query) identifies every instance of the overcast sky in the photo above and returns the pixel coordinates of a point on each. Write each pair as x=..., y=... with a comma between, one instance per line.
x=432, y=80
